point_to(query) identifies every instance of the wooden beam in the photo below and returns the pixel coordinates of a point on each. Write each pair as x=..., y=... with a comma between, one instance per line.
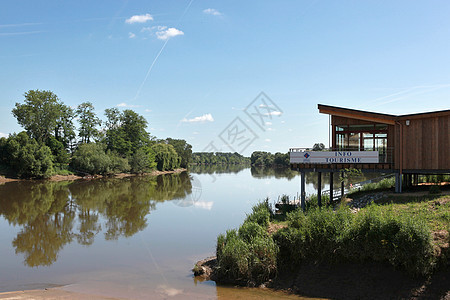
x=362, y=116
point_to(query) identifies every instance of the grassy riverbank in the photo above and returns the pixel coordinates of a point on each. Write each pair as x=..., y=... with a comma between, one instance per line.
x=402, y=236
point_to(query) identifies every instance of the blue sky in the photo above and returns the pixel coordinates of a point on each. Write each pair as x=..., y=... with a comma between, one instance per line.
x=192, y=67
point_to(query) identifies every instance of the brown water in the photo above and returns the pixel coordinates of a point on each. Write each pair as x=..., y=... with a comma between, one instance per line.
x=136, y=237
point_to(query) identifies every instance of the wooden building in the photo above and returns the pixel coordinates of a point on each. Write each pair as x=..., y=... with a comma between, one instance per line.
x=407, y=145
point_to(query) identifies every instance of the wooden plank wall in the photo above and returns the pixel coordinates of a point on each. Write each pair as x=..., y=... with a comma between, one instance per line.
x=425, y=144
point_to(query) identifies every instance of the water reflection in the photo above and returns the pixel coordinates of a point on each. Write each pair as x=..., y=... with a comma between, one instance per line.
x=217, y=169
x=53, y=214
x=263, y=172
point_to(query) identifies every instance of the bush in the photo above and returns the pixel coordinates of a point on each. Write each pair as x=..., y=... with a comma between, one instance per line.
x=378, y=234
x=383, y=184
x=375, y=233
x=261, y=214
x=248, y=255
x=92, y=159
x=27, y=158
x=250, y=230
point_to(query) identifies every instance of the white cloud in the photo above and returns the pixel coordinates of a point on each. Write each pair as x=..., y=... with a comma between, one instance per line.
x=201, y=119
x=269, y=123
x=204, y=204
x=196, y=132
x=123, y=104
x=167, y=33
x=3, y=135
x=267, y=140
x=131, y=35
x=212, y=11
x=274, y=113
x=148, y=110
x=139, y=19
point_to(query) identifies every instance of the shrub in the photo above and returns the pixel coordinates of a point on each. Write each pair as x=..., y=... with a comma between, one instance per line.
x=375, y=233
x=250, y=230
x=248, y=255
x=232, y=257
x=383, y=184
x=91, y=158
x=27, y=158
x=378, y=234
x=261, y=213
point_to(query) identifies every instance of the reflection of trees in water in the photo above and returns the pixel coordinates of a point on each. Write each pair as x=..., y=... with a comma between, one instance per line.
x=42, y=239
x=49, y=211
x=172, y=186
x=217, y=169
x=270, y=172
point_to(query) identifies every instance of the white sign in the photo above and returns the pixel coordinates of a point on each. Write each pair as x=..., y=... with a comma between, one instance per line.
x=334, y=157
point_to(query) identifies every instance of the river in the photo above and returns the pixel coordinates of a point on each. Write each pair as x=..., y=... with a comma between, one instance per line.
x=136, y=237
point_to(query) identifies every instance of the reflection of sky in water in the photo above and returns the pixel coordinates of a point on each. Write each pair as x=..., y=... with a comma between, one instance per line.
x=146, y=233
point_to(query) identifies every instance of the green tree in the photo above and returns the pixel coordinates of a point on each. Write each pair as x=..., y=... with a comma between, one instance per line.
x=92, y=159
x=39, y=114
x=126, y=131
x=143, y=161
x=65, y=130
x=60, y=155
x=27, y=158
x=166, y=157
x=88, y=122
x=183, y=149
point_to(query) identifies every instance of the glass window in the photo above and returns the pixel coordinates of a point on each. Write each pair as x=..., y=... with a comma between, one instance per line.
x=353, y=141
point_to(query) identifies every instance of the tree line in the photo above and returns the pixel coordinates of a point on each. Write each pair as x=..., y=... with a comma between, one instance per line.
x=219, y=158
x=262, y=158
x=52, y=144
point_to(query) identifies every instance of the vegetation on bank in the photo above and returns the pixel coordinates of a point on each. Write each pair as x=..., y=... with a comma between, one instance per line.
x=392, y=232
x=51, y=144
x=262, y=158
x=219, y=158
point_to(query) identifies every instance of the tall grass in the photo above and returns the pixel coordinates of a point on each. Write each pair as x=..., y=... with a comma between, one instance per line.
x=248, y=255
x=375, y=234
x=383, y=184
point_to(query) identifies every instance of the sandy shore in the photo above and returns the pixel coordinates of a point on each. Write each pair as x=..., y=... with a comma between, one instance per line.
x=50, y=293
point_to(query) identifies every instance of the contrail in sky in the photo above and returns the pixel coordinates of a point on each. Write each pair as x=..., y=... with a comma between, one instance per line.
x=159, y=53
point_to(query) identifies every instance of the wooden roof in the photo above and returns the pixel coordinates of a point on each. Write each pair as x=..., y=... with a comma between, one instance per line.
x=376, y=117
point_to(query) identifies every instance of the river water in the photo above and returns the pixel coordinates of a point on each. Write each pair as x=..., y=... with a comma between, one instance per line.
x=136, y=237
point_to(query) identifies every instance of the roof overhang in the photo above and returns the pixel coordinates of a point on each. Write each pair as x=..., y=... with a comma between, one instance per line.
x=357, y=114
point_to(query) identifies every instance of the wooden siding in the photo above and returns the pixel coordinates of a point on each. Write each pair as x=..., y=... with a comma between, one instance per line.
x=425, y=144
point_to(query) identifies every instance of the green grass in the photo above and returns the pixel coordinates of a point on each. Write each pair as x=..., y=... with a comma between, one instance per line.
x=397, y=231
x=434, y=210
x=62, y=171
x=376, y=233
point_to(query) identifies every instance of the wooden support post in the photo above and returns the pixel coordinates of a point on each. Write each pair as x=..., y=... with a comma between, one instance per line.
x=331, y=187
x=302, y=191
x=319, y=189
x=398, y=183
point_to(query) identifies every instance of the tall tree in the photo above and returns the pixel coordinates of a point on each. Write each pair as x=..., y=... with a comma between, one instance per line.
x=88, y=122
x=183, y=149
x=126, y=131
x=39, y=114
x=64, y=129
